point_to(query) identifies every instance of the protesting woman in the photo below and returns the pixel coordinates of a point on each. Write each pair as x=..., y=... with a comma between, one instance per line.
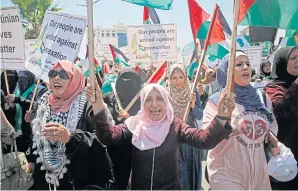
x=156, y=135
x=283, y=92
x=189, y=157
x=66, y=150
x=239, y=163
x=265, y=70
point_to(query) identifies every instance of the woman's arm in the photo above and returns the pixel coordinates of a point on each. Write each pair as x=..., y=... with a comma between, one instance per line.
x=215, y=129
x=207, y=138
x=110, y=134
x=197, y=111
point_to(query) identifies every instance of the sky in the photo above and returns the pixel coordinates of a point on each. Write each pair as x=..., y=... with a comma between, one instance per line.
x=111, y=12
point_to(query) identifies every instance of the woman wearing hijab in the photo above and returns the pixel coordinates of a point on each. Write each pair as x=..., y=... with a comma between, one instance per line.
x=239, y=163
x=66, y=151
x=189, y=157
x=22, y=96
x=283, y=92
x=11, y=111
x=156, y=134
x=265, y=69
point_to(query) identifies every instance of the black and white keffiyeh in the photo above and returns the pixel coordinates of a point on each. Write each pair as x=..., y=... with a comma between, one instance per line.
x=51, y=154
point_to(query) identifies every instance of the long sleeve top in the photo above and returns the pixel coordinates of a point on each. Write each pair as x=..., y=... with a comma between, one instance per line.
x=196, y=113
x=240, y=159
x=285, y=107
x=162, y=166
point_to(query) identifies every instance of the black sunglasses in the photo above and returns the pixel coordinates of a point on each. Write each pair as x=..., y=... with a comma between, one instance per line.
x=62, y=74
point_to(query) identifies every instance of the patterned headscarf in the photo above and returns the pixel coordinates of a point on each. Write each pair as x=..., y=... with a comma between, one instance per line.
x=179, y=97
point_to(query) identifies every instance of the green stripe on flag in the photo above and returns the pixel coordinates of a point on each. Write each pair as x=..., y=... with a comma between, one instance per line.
x=217, y=51
x=158, y=4
x=273, y=13
x=202, y=34
x=96, y=70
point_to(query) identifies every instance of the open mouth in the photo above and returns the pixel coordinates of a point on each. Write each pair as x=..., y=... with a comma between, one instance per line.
x=57, y=85
x=155, y=111
x=245, y=75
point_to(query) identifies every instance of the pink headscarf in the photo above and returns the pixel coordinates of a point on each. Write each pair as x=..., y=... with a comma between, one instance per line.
x=76, y=86
x=148, y=134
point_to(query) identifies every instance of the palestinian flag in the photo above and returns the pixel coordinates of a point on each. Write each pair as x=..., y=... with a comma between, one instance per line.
x=106, y=68
x=219, y=29
x=197, y=16
x=262, y=34
x=269, y=13
x=157, y=4
x=118, y=56
x=84, y=64
x=158, y=74
x=162, y=80
x=150, y=16
x=141, y=73
x=217, y=46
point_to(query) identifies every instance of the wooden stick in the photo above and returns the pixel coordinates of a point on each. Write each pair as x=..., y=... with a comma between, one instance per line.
x=116, y=96
x=201, y=61
x=6, y=82
x=91, y=47
x=34, y=94
x=131, y=103
x=231, y=66
x=101, y=80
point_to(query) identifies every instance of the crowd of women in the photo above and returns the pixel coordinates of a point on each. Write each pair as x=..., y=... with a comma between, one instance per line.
x=77, y=137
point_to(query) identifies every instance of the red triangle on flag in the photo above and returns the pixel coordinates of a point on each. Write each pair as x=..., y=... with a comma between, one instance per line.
x=243, y=8
x=197, y=16
x=216, y=32
x=158, y=73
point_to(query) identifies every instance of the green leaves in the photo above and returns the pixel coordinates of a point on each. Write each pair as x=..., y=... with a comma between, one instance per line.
x=32, y=13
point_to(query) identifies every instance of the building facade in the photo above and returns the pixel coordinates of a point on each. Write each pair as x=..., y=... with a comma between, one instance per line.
x=119, y=31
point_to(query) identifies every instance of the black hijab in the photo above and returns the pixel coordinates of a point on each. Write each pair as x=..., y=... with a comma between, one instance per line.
x=279, y=71
x=12, y=78
x=26, y=79
x=128, y=84
x=262, y=72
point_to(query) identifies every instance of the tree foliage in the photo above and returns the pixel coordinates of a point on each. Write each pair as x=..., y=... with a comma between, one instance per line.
x=32, y=13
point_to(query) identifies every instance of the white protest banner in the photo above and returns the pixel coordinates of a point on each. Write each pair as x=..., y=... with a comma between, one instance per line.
x=12, y=39
x=28, y=44
x=152, y=43
x=254, y=54
x=60, y=39
x=102, y=48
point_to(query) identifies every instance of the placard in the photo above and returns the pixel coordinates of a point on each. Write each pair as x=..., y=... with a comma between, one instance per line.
x=152, y=43
x=12, y=39
x=102, y=48
x=254, y=54
x=60, y=39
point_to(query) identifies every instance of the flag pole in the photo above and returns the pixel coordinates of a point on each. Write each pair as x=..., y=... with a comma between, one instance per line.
x=91, y=46
x=231, y=66
x=132, y=102
x=201, y=60
x=34, y=94
x=6, y=82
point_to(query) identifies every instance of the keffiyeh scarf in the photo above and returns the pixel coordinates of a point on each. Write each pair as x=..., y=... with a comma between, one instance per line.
x=51, y=154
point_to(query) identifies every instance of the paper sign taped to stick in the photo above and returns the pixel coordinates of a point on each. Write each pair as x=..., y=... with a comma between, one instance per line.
x=12, y=39
x=152, y=43
x=254, y=54
x=102, y=48
x=60, y=39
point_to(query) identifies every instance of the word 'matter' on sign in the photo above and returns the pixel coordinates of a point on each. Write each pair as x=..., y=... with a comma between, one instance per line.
x=155, y=43
x=60, y=39
x=12, y=39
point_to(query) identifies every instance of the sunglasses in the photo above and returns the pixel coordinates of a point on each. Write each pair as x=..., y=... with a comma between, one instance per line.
x=62, y=74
